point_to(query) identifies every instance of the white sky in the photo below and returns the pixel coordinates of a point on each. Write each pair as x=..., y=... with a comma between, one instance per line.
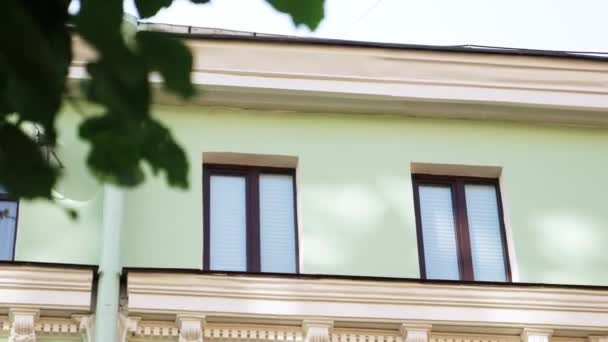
x=575, y=25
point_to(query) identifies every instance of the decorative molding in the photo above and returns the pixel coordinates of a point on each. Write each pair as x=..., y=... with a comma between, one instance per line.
x=48, y=288
x=127, y=326
x=408, y=82
x=598, y=338
x=47, y=327
x=415, y=332
x=536, y=335
x=358, y=335
x=190, y=328
x=447, y=337
x=86, y=326
x=317, y=331
x=366, y=302
x=23, y=325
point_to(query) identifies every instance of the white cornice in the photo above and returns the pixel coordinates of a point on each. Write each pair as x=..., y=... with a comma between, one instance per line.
x=48, y=288
x=313, y=78
x=368, y=301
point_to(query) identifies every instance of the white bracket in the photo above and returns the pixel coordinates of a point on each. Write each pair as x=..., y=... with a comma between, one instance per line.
x=23, y=322
x=412, y=332
x=536, y=335
x=190, y=327
x=317, y=331
x=86, y=326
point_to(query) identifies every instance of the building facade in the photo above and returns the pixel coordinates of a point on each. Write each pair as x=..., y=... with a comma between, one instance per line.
x=339, y=192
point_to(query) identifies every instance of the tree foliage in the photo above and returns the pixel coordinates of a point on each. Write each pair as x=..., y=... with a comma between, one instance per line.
x=35, y=54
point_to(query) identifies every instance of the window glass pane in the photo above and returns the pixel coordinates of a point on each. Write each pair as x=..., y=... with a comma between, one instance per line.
x=228, y=222
x=438, y=232
x=8, y=226
x=485, y=233
x=277, y=226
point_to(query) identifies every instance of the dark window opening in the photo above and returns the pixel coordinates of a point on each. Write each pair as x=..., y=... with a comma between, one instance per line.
x=9, y=212
x=460, y=227
x=250, y=220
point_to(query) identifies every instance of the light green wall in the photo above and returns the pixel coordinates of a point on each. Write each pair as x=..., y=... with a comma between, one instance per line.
x=45, y=233
x=355, y=196
x=354, y=191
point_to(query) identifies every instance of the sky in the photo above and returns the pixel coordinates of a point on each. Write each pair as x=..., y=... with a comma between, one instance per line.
x=564, y=25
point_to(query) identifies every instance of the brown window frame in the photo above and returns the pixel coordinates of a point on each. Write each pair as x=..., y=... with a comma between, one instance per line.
x=6, y=197
x=252, y=178
x=463, y=243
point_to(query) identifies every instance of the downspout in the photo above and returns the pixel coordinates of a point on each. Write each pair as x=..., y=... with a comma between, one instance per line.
x=108, y=288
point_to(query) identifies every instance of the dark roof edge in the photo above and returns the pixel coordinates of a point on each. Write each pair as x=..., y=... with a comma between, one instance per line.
x=188, y=32
x=50, y=265
x=307, y=276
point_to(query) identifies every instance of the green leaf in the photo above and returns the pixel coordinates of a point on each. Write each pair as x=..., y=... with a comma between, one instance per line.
x=119, y=147
x=170, y=57
x=148, y=8
x=305, y=12
x=163, y=153
x=130, y=98
x=115, y=153
x=99, y=21
x=36, y=63
x=23, y=170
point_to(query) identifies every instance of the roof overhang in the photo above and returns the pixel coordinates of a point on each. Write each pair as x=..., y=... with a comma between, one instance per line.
x=299, y=76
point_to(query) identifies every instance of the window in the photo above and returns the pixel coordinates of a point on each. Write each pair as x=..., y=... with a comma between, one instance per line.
x=9, y=209
x=250, y=219
x=460, y=228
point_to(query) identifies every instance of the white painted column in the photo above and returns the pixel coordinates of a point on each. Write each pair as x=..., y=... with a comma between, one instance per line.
x=317, y=331
x=23, y=322
x=190, y=328
x=412, y=332
x=536, y=335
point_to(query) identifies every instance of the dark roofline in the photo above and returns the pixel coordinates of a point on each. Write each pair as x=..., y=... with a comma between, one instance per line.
x=189, y=32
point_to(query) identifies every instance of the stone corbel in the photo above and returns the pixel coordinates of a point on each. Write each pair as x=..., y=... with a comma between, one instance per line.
x=536, y=335
x=317, y=331
x=23, y=323
x=86, y=326
x=412, y=332
x=126, y=325
x=190, y=328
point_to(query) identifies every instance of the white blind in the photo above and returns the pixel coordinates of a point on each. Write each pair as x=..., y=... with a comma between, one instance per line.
x=277, y=226
x=438, y=232
x=485, y=233
x=228, y=223
x=8, y=226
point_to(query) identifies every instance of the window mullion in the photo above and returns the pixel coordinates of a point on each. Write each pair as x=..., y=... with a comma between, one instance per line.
x=253, y=221
x=464, y=241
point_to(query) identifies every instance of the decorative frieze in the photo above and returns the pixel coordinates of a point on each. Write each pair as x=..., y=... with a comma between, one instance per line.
x=23, y=325
x=536, y=335
x=415, y=332
x=350, y=335
x=598, y=338
x=317, y=331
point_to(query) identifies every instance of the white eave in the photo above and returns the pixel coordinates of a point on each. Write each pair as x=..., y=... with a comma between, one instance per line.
x=282, y=73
